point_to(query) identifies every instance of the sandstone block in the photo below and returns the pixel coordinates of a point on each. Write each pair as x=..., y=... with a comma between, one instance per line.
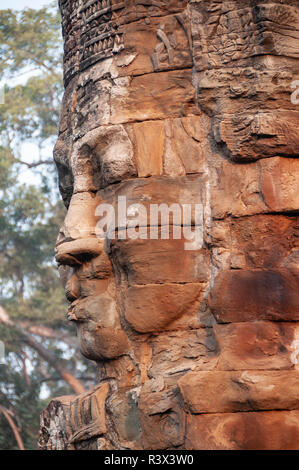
x=124, y=412
x=268, y=430
x=155, y=307
x=176, y=352
x=162, y=419
x=279, y=183
x=265, y=186
x=231, y=391
x=265, y=241
x=247, y=295
x=152, y=96
x=149, y=138
x=236, y=191
x=184, y=144
x=160, y=261
x=101, y=343
x=87, y=414
x=253, y=137
x=256, y=345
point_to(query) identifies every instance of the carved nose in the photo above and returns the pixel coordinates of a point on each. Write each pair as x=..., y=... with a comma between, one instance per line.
x=80, y=221
x=77, y=242
x=74, y=253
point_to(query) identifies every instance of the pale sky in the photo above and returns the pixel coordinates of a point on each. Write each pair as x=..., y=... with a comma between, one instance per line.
x=29, y=151
x=20, y=4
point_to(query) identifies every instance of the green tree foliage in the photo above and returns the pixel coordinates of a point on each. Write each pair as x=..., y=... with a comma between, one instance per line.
x=30, y=45
x=30, y=214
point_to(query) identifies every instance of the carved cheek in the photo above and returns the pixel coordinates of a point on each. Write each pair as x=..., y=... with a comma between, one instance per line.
x=155, y=308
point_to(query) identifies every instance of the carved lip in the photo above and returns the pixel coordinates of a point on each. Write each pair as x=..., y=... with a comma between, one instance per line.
x=71, y=315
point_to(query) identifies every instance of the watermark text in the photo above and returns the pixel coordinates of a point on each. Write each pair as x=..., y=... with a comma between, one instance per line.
x=151, y=221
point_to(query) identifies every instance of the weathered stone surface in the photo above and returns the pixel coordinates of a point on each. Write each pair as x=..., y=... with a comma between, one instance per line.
x=116, y=17
x=181, y=104
x=263, y=241
x=259, y=135
x=178, y=352
x=149, y=138
x=129, y=99
x=72, y=419
x=105, y=155
x=87, y=414
x=160, y=261
x=155, y=307
x=184, y=145
x=231, y=391
x=279, y=183
x=245, y=295
x=266, y=186
x=162, y=412
x=157, y=190
x=102, y=343
x=125, y=416
x=236, y=192
x=258, y=38
x=269, y=430
x=256, y=345
x=78, y=223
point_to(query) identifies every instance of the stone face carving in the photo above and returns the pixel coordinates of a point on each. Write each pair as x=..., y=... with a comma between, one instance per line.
x=174, y=47
x=91, y=32
x=187, y=103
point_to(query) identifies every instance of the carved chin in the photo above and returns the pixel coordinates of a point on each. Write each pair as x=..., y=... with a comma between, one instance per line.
x=98, y=344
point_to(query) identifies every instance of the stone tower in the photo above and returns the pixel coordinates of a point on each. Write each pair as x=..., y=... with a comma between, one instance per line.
x=189, y=104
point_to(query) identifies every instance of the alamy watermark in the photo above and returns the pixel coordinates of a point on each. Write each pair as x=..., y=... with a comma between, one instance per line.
x=151, y=221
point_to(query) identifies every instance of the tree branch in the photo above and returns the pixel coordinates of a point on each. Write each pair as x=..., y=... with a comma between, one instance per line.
x=70, y=379
x=56, y=379
x=6, y=413
x=47, y=332
x=34, y=164
x=23, y=360
x=21, y=162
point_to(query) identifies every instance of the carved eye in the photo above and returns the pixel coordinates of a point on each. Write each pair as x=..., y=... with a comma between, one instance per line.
x=106, y=159
x=65, y=176
x=66, y=183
